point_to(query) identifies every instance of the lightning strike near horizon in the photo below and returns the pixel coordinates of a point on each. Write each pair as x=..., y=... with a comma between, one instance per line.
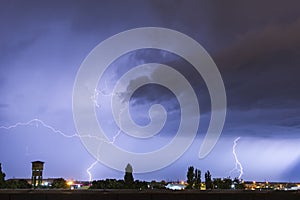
x=37, y=122
x=88, y=171
x=238, y=166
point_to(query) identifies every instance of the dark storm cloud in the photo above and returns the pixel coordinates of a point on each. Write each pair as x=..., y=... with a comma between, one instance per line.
x=293, y=122
x=154, y=94
x=260, y=70
x=31, y=15
x=265, y=67
x=217, y=24
x=255, y=45
x=25, y=22
x=258, y=56
x=259, y=45
x=12, y=48
x=111, y=17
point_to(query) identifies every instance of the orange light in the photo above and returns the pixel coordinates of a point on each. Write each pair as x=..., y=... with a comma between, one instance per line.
x=182, y=182
x=70, y=183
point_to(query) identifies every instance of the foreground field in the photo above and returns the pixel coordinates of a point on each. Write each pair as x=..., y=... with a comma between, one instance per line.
x=145, y=195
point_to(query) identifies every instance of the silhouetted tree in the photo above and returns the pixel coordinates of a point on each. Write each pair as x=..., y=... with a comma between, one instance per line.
x=157, y=185
x=218, y=183
x=17, y=184
x=238, y=184
x=197, y=178
x=2, y=178
x=113, y=184
x=108, y=184
x=118, y=184
x=208, y=181
x=140, y=185
x=128, y=178
x=190, y=177
x=59, y=183
x=226, y=183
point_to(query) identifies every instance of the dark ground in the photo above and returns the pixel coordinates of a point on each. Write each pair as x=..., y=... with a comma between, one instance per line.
x=145, y=195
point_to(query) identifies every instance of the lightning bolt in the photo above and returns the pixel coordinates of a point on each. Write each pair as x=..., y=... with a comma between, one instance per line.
x=96, y=93
x=238, y=166
x=94, y=98
x=38, y=122
x=88, y=171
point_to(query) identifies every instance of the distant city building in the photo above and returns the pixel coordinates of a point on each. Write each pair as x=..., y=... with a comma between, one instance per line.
x=253, y=185
x=37, y=173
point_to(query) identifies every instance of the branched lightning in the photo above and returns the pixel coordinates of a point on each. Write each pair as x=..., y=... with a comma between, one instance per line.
x=38, y=122
x=238, y=166
x=94, y=98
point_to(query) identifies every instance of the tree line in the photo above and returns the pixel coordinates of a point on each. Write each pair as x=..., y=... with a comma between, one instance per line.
x=12, y=184
x=23, y=184
x=194, y=181
x=127, y=183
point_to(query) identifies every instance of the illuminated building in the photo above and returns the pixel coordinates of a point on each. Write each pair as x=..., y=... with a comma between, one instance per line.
x=176, y=186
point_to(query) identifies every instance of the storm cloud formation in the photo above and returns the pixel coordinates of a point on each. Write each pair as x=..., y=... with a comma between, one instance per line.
x=255, y=44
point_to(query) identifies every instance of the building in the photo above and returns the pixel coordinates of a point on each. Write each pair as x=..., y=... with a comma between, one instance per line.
x=37, y=173
x=175, y=186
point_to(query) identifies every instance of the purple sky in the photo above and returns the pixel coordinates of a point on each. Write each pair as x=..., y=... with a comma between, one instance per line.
x=255, y=44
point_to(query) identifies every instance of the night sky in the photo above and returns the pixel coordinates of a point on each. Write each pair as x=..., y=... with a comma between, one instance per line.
x=255, y=45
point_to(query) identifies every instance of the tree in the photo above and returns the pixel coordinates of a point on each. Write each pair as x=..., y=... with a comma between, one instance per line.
x=208, y=181
x=218, y=183
x=238, y=184
x=2, y=178
x=190, y=177
x=128, y=178
x=108, y=184
x=157, y=185
x=17, y=184
x=142, y=185
x=23, y=184
x=226, y=183
x=197, y=178
x=59, y=183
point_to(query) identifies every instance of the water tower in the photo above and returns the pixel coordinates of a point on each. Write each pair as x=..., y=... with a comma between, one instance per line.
x=37, y=173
